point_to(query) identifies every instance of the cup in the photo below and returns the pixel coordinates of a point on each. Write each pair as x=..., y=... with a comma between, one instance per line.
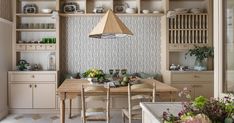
x=36, y=26
x=54, y=40
x=31, y=26
x=42, y=26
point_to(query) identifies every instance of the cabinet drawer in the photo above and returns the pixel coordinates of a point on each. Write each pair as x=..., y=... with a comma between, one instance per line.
x=205, y=77
x=31, y=47
x=40, y=47
x=20, y=47
x=192, y=77
x=31, y=77
x=182, y=77
x=50, y=47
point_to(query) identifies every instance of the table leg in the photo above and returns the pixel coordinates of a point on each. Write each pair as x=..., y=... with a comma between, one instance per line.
x=70, y=111
x=62, y=111
x=171, y=96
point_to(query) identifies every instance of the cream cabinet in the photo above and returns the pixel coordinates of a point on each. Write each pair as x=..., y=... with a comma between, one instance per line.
x=44, y=96
x=20, y=95
x=198, y=83
x=32, y=90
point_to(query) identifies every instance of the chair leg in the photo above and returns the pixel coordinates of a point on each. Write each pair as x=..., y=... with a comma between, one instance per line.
x=123, y=117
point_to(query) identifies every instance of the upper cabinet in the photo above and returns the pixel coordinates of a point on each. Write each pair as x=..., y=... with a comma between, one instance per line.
x=120, y=7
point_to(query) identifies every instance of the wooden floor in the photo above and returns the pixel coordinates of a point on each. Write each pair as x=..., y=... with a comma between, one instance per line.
x=54, y=118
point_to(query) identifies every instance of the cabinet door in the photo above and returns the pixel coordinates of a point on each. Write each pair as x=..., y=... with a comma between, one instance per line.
x=44, y=95
x=20, y=95
x=205, y=90
x=180, y=87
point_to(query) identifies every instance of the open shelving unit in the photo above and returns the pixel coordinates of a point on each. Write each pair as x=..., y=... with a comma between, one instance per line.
x=35, y=87
x=88, y=6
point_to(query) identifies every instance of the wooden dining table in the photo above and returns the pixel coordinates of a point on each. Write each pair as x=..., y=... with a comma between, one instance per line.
x=71, y=88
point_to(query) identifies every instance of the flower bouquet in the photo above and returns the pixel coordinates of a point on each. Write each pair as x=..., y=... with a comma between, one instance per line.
x=202, y=110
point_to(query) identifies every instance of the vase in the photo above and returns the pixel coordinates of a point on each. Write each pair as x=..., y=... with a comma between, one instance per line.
x=200, y=65
x=228, y=120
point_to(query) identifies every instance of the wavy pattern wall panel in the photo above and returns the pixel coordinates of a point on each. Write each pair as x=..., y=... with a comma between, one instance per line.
x=139, y=53
x=5, y=9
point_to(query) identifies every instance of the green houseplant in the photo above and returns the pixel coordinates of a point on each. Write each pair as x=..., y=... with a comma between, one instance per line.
x=93, y=74
x=201, y=54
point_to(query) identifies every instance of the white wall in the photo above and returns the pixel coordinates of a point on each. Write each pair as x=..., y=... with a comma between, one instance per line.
x=5, y=62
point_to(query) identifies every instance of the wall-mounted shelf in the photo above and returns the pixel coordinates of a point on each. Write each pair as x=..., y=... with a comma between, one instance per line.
x=35, y=30
x=88, y=6
x=33, y=15
x=118, y=14
x=35, y=47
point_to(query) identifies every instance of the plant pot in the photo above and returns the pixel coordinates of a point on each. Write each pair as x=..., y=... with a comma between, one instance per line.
x=228, y=120
x=92, y=80
x=200, y=65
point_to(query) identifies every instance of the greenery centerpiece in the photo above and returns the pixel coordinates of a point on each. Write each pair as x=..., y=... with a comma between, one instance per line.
x=201, y=54
x=202, y=110
x=94, y=75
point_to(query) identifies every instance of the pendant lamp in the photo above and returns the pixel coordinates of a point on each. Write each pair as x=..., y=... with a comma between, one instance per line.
x=110, y=26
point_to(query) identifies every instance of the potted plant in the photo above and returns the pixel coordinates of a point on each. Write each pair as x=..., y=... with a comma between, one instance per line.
x=201, y=54
x=94, y=75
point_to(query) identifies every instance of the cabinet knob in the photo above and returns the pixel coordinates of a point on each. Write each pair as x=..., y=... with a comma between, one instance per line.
x=35, y=86
x=195, y=76
x=33, y=76
x=30, y=86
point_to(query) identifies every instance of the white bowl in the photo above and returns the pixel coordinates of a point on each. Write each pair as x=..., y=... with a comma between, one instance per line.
x=130, y=10
x=156, y=12
x=145, y=11
x=46, y=11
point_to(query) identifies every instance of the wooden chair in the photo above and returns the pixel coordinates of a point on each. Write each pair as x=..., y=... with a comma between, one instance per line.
x=134, y=111
x=98, y=113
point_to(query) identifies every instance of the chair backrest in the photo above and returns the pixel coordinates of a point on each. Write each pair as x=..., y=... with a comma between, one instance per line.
x=92, y=94
x=140, y=92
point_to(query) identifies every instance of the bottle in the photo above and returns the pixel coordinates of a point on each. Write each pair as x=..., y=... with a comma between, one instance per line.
x=51, y=64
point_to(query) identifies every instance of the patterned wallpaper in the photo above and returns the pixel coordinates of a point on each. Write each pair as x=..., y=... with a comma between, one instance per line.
x=5, y=9
x=139, y=53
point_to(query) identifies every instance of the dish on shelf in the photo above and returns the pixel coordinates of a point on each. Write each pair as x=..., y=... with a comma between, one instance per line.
x=120, y=8
x=196, y=10
x=98, y=10
x=145, y=11
x=156, y=12
x=181, y=10
x=46, y=11
x=70, y=7
x=130, y=10
x=30, y=9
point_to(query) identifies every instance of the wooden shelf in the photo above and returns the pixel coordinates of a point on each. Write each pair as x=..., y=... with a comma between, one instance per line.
x=118, y=14
x=188, y=29
x=36, y=30
x=193, y=14
x=33, y=15
x=39, y=0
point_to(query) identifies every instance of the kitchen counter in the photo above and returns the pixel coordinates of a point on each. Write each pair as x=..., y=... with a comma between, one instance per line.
x=152, y=112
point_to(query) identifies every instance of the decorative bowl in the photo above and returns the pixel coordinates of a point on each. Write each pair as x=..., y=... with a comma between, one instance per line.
x=46, y=11
x=130, y=10
x=145, y=11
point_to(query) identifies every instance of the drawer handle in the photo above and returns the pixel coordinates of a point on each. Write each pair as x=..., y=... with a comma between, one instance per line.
x=195, y=76
x=33, y=76
x=197, y=86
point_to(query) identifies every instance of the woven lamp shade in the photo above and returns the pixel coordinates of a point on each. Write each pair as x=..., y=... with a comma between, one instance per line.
x=110, y=26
